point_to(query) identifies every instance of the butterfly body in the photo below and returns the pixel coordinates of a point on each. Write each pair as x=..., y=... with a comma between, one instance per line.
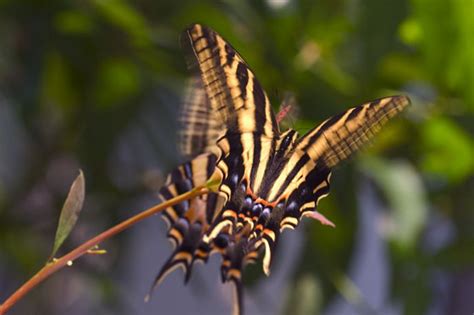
x=268, y=180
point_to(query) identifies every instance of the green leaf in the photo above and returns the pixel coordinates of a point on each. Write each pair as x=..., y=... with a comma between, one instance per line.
x=450, y=65
x=58, y=87
x=70, y=211
x=447, y=150
x=74, y=22
x=126, y=17
x=118, y=81
x=410, y=31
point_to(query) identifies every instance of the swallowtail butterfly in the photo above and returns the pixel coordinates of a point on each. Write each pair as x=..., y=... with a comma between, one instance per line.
x=268, y=180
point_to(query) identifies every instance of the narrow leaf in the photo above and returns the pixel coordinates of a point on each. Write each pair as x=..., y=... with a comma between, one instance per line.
x=70, y=212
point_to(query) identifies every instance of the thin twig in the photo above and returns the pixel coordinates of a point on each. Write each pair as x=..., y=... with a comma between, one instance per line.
x=67, y=259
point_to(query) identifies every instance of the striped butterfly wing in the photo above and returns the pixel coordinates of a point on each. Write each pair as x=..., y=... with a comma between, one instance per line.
x=199, y=124
x=197, y=136
x=335, y=140
x=226, y=100
x=340, y=136
x=232, y=88
x=305, y=178
x=187, y=221
x=243, y=108
x=331, y=142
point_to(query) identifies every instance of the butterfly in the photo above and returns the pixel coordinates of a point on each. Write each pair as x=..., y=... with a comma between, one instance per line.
x=268, y=180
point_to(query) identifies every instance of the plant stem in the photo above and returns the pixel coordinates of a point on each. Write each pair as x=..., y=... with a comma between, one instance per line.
x=67, y=259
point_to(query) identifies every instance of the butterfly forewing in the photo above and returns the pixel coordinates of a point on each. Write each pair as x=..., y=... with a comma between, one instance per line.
x=339, y=136
x=243, y=107
x=231, y=86
x=199, y=126
x=305, y=178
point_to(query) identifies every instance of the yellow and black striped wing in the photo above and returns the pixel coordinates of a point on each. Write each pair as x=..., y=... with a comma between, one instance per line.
x=240, y=104
x=339, y=136
x=304, y=178
x=234, y=92
x=183, y=179
x=335, y=140
x=187, y=221
x=199, y=126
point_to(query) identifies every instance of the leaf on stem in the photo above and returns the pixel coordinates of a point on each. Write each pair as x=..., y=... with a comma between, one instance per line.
x=70, y=212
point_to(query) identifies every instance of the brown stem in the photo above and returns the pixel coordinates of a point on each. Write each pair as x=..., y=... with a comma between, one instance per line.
x=54, y=266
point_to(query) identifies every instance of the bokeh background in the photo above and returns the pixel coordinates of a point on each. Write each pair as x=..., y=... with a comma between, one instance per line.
x=95, y=85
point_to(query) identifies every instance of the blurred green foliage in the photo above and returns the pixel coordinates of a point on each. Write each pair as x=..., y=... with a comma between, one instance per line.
x=76, y=74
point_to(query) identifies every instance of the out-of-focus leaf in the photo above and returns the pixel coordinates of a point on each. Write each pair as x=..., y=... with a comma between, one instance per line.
x=336, y=77
x=458, y=255
x=31, y=247
x=118, y=81
x=127, y=18
x=307, y=296
x=448, y=151
x=410, y=31
x=73, y=22
x=58, y=88
x=377, y=31
x=441, y=23
x=70, y=212
x=347, y=288
x=405, y=193
x=397, y=68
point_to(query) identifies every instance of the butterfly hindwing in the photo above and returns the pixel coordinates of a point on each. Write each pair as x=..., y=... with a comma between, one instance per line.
x=188, y=220
x=185, y=177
